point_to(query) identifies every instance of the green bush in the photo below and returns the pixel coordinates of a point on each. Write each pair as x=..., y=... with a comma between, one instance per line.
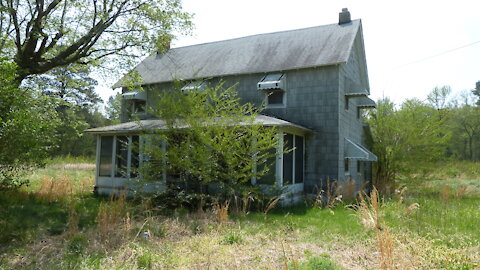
x=233, y=237
x=77, y=244
x=145, y=260
x=322, y=262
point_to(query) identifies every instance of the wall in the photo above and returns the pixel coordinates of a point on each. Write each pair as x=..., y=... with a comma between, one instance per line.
x=350, y=125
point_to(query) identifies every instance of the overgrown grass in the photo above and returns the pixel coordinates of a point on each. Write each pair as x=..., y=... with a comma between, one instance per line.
x=449, y=211
x=57, y=223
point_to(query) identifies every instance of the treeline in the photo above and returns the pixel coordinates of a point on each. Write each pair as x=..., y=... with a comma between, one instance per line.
x=77, y=107
x=45, y=117
x=408, y=137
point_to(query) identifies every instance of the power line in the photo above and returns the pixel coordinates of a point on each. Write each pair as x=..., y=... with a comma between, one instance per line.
x=436, y=55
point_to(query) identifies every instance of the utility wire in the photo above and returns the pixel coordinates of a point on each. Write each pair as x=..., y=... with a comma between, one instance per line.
x=436, y=55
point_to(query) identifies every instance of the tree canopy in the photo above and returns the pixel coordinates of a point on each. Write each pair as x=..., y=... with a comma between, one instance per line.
x=42, y=35
x=405, y=138
x=27, y=127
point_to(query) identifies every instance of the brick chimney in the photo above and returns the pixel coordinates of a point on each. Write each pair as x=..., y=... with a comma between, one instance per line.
x=344, y=16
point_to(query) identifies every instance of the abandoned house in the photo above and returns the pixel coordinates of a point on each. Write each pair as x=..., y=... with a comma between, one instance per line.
x=313, y=83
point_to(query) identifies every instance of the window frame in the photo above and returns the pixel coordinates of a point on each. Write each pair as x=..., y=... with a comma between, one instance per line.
x=279, y=159
x=114, y=157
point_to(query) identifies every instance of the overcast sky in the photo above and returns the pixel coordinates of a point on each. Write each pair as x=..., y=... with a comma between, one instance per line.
x=411, y=46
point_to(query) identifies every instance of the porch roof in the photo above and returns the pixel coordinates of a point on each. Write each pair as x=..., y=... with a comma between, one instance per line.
x=144, y=126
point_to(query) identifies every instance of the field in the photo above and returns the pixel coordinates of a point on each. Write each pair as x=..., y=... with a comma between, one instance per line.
x=432, y=222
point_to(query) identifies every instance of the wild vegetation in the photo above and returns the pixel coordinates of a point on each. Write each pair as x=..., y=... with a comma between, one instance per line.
x=56, y=223
x=210, y=138
x=48, y=52
x=408, y=137
x=425, y=217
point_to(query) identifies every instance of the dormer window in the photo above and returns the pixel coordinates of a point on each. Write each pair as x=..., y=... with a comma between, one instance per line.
x=274, y=86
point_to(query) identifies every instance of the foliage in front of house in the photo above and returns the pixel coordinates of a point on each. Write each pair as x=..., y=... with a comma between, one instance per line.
x=212, y=143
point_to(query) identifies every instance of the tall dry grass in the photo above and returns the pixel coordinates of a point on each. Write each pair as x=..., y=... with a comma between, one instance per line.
x=242, y=205
x=271, y=204
x=111, y=216
x=329, y=196
x=348, y=190
x=220, y=211
x=371, y=217
x=62, y=188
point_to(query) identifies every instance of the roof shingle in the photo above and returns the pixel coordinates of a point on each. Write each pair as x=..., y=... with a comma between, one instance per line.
x=295, y=49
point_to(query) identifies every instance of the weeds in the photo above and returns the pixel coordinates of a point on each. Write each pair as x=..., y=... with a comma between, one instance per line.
x=242, y=206
x=271, y=204
x=233, y=237
x=328, y=197
x=348, y=190
x=368, y=210
x=62, y=188
x=323, y=262
x=221, y=211
x=445, y=192
x=111, y=214
x=53, y=231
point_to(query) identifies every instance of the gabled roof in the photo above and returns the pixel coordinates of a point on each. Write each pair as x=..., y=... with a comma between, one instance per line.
x=146, y=126
x=295, y=49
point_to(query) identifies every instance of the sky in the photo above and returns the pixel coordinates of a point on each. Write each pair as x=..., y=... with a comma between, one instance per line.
x=411, y=46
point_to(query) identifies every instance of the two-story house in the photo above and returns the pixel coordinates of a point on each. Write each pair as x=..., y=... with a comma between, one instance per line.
x=313, y=82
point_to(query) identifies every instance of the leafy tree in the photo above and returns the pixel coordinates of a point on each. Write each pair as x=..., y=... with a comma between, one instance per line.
x=43, y=35
x=476, y=92
x=438, y=98
x=74, y=90
x=405, y=138
x=28, y=121
x=114, y=107
x=465, y=127
x=85, y=145
x=72, y=84
x=210, y=139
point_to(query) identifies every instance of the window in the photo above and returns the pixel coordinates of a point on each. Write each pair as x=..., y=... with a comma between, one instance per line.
x=135, y=156
x=288, y=145
x=346, y=103
x=119, y=153
x=269, y=178
x=121, y=156
x=106, y=148
x=274, y=86
x=293, y=164
x=139, y=106
x=275, y=98
x=299, y=158
x=346, y=165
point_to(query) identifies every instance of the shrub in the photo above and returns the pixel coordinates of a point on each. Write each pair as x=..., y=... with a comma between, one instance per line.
x=233, y=237
x=322, y=262
x=77, y=244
